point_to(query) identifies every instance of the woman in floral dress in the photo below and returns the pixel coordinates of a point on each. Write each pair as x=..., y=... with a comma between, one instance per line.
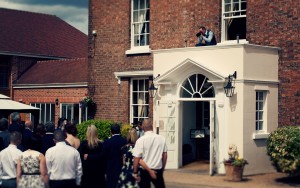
x=126, y=179
x=31, y=167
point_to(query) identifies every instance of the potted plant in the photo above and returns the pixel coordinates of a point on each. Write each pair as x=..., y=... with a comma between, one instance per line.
x=90, y=104
x=234, y=165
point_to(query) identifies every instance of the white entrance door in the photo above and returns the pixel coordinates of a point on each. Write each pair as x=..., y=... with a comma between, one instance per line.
x=212, y=138
x=167, y=122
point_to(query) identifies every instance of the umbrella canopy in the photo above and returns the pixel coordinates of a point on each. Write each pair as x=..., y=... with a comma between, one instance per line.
x=8, y=106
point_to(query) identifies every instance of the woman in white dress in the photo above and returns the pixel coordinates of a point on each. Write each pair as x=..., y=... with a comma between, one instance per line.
x=31, y=167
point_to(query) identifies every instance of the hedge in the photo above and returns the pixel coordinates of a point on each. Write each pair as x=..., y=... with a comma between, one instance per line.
x=103, y=127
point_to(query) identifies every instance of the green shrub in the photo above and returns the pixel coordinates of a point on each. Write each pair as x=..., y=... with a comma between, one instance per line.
x=103, y=127
x=283, y=147
x=124, y=129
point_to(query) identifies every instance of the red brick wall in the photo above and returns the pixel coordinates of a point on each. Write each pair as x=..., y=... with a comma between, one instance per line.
x=173, y=24
x=277, y=23
x=65, y=95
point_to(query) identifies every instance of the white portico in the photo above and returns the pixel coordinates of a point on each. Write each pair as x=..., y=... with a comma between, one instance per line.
x=194, y=114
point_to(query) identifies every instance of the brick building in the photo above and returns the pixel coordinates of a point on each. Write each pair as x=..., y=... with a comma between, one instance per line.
x=144, y=39
x=27, y=38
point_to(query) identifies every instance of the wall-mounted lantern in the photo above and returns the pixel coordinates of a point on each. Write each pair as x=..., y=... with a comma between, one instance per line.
x=229, y=88
x=152, y=89
x=56, y=101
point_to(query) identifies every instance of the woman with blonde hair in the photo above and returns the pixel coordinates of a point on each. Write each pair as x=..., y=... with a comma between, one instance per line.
x=126, y=178
x=93, y=170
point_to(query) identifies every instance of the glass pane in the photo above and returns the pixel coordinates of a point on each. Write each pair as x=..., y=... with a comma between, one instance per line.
x=261, y=125
x=135, y=4
x=134, y=98
x=135, y=121
x=147, y=29
x=261, y=96
x=134, y=85
x=256, y=115
x=146, y=111
x=76, y=114
x=69, y=112
x=256, y=106
x=141, y=85
x=48, y=114
x=227, y=1
x=236, y=1
x=147, y=98
x=136, y=41
x=244, y=6
x=52, y=118
x=135, y=111
x=63, y=111
x=43, y=113
x=135, y=16
x=141, y=98
x=142, y=4
x=261, y=105
x=147, y=4
x=257, y=126
x=146, y=85
x=147, y=39
x=260, y=115
x=227, y=8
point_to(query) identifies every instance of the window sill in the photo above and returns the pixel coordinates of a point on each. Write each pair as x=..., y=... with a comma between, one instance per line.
x=232, y=42
x=257, y=136
x=138, y=50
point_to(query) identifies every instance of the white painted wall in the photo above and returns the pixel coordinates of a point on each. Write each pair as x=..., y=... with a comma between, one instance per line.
x=257, y=68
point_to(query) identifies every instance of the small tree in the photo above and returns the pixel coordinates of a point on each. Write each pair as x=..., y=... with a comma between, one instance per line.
x=283, y=147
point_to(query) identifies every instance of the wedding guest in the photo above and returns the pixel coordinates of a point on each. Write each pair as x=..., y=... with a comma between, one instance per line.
x=4, y=133
x=27, y=134
x=63, y=163
x=72, y=139
x=126, y=178
x=47, y=140
x=8, y=161
x=93, y=170
x=31, y=167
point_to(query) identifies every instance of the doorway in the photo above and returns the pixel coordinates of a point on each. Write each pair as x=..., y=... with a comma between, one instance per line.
x=196, y=134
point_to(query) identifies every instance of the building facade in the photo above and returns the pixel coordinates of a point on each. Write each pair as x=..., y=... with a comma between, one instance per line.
x=155, y=40
x=27, y=38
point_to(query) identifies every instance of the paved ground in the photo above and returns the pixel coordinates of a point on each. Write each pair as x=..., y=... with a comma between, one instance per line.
x=199, y=178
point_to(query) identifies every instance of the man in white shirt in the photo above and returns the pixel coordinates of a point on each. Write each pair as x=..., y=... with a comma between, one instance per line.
x=8, y=161
x=63, y=163
x=152, y=148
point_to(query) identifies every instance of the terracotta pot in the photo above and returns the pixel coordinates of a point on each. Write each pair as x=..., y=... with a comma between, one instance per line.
x=234, y=173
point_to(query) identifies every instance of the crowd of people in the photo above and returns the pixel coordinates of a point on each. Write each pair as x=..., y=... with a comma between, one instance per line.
x=54, y=157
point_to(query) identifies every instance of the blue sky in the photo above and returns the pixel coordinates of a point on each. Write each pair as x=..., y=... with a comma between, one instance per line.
x=75, y=12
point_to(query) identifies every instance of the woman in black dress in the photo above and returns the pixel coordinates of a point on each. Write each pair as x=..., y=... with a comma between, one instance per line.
x=93, y=170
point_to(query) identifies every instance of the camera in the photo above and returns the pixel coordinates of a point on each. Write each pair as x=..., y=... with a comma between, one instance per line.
x=198, y=34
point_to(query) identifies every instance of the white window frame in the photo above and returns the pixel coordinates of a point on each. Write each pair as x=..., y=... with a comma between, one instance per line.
x=144, y=103
x=144, y=48
x=226, y=15
x=260, y=120
x=46, y=113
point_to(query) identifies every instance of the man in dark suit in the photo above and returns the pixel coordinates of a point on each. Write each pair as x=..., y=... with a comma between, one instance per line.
x=15, y=125
x=111, y=154
x=27, y=134
x=4, y=134
x=47, y=140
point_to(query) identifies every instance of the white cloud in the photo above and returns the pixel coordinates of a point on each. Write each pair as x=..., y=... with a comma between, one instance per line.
x=75, y=16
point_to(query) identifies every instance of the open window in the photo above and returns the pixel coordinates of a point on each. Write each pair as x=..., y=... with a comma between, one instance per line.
x=234, y=19
x=140, y=27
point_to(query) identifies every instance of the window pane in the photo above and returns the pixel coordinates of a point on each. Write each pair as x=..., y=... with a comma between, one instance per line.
x=261, y=105
x=134, y=98
x=135, y=111
x=142, y=5
x=141, y=98
x=135, y=4
x=135, y=16
x=76, y=114
x=47, y=118
x=134, y=85
x=260, y=115
x=52, y=118
x=43, y=113
x=141, y=85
